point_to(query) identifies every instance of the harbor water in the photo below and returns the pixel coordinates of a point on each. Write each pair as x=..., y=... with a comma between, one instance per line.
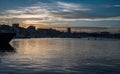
x=61, y=56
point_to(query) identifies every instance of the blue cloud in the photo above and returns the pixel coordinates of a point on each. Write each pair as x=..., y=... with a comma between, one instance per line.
x=77, y=10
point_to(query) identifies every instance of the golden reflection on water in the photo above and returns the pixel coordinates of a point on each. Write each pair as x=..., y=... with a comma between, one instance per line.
x=33, y=48
x=59, y=55
x=44, y=53
x=43, y=47
x=63, y=48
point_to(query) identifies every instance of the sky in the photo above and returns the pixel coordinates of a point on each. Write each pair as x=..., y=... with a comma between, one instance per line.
x=75, y=13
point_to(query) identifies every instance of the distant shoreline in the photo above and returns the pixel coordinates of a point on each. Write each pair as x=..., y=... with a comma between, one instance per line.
x=88, y=38
x=32, y=32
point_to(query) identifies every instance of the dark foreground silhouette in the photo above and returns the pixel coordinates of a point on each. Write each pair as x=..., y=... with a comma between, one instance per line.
x=6, y=48
x=5, y=38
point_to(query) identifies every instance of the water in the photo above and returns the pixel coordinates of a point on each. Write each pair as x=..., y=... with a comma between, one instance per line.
x=61, y=56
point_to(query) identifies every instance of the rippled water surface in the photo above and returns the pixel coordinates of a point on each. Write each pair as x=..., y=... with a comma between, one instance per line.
x=61, y=56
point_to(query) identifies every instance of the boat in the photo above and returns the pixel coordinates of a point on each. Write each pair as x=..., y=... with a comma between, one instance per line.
x=6, y=48
x=5, y=38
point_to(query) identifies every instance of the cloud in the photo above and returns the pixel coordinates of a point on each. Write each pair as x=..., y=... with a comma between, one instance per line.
x=84, y=15
x=116, y=5
x=71, y=6
x=57, y=12
x=109, y=6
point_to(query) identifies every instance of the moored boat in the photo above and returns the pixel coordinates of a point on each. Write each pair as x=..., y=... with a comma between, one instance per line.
x=5, y=38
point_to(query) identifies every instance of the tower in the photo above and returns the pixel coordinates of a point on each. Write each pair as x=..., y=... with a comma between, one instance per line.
x=68, y=30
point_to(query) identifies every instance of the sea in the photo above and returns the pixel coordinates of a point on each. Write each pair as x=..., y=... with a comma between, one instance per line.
x=61, y=56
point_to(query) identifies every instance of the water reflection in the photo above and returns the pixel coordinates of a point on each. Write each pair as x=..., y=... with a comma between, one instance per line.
x=46, y=55
x=6, y=50
x=62, y=56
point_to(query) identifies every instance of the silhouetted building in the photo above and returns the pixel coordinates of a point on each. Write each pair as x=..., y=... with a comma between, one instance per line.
x=15, y=25
x=68, y=30
x=31, y=31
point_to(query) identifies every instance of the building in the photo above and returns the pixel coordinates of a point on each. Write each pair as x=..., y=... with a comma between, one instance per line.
x=15, y=25
x=31, y=31
x=68, y=30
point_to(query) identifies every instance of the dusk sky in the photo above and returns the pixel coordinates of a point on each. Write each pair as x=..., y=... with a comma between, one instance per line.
x=97, y=13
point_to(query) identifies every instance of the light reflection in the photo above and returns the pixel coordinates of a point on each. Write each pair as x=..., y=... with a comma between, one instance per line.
x=45, y=54
x=60, y=55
